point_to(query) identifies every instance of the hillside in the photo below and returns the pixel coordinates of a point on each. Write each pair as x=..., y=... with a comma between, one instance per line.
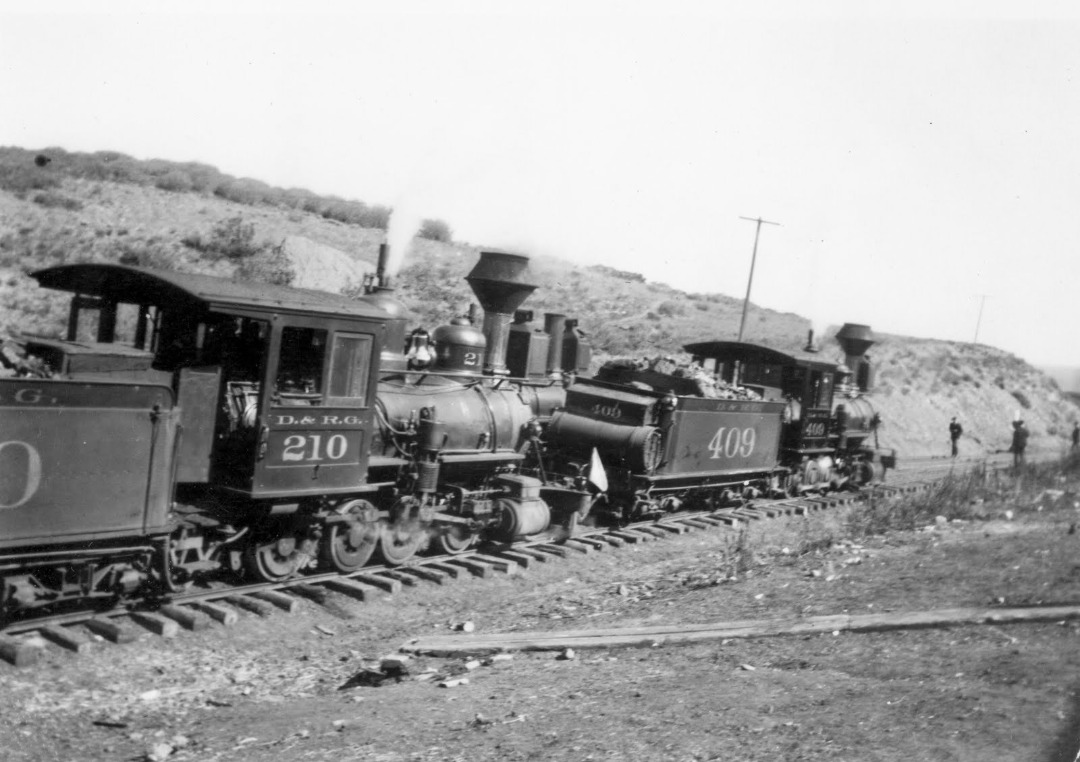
x=77, y=208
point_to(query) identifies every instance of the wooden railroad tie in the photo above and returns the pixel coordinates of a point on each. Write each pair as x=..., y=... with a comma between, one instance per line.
x=286, y=603
x=386, y=584
x=113, y=631
x=248, y=603
x=352, y=588
x=156, y=623
x=473, y=567
x=223, y=615
x=19, y=653
x=67, y=638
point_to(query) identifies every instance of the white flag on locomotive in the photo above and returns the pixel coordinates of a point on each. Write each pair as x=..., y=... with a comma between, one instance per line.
x=597, y=475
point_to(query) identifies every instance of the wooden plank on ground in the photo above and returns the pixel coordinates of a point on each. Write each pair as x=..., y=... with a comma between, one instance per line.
x=612, y=540
x=660, y=634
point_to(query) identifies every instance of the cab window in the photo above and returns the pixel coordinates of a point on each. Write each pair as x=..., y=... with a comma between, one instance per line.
x=300, y=365
x=350, y=364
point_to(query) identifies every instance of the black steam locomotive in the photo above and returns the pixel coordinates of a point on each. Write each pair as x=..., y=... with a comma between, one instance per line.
x=192, y=425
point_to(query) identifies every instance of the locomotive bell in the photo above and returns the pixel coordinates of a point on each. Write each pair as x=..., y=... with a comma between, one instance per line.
x=498, y=280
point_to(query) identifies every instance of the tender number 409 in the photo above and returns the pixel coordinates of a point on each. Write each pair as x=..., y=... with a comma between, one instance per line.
x=729, y=442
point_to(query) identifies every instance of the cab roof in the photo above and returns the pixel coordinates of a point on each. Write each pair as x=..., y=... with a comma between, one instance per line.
x=175, y=290
x=757, y=353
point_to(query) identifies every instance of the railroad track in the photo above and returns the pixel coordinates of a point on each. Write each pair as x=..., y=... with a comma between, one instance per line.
x=23, y=643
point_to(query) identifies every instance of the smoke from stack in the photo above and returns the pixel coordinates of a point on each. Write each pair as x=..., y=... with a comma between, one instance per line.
x=404, y=225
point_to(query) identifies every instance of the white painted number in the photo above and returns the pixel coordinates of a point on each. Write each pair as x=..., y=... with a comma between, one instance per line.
x=607, y=411
x=303, y=448
x=729, y=442
x=32, y=479
x=815, y=429
x=472, y=358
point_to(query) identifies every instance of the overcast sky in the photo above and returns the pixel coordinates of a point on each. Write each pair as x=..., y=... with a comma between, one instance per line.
x=917, y=156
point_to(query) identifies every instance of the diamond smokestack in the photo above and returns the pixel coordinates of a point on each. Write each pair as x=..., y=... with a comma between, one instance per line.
x=855, y=339
x=499, y=282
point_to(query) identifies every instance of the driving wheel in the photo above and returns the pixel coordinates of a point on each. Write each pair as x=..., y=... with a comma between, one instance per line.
x=350, y=543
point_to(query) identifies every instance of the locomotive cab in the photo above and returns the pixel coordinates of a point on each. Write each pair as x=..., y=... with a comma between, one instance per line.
x=801, y=380
x=275, y=385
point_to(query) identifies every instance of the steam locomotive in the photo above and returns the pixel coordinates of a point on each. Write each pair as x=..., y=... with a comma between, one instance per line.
x=192, y=426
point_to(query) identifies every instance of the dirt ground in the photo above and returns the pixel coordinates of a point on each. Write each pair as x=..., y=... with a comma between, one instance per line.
x=288, y=687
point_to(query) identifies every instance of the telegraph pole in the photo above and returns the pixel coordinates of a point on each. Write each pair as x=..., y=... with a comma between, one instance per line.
x=753, y=260
x=982, y=303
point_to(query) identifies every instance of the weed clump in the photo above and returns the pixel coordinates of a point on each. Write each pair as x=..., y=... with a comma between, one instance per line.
x=232, y=239
x=966, y=496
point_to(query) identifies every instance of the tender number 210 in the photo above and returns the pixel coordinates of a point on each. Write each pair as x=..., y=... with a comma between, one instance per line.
x=730, y=441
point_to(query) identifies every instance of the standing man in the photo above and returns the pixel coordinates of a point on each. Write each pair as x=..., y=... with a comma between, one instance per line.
x=955, y=430
x=1076, y=436
x=1019, y=442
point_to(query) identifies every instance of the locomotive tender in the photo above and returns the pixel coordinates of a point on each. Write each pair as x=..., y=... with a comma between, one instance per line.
x=195, y=425
x=746, y=420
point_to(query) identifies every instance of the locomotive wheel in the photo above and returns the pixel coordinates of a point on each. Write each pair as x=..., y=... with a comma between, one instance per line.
x=454, y=539
x=404, y=535
x=811, y=473
x=273, y=561
x=350, y=544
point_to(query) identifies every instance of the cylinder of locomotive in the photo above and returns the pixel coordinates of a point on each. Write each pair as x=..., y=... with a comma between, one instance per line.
x=638, y=447
x=518, y=518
